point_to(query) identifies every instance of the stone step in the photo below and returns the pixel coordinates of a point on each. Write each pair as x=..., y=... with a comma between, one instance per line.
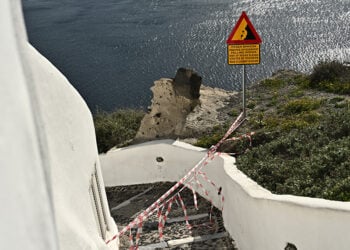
x=128, y=202
x=184, y=241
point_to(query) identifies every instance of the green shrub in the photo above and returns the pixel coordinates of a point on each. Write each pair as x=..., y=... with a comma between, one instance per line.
x=301, y=105
x=296, y=93
x=329, y=71
x=293, y=124
x=335, y=87
x=233, y=113
x=302, y=81
x=336, y=99
x=208, y=141
x=272, y=121
x=116, y=128
x=331, y=76
x=311, y=117
x=256, y=120
x=251, y=104
x=287, y=123
x=342, y=105
x=273, y=83
x=311, y=161
x=273, y=100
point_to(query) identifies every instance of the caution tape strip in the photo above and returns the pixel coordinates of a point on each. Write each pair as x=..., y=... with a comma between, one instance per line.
x=195, y=202
x=248, y=135
x=184, y=210
x=204, y=161
x=163, y=219
x=131, y=241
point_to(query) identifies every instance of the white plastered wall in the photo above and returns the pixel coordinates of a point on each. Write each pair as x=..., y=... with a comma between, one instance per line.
x=26, y=215
x=47, y=148
x=72, y=153
x=255, y=218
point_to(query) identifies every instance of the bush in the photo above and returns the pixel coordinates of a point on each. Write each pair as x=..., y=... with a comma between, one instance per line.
x=301, y=105
x=216, y=134
x=335, y=87
x=273, y=83
x=116, y=128
x=331, y=76
x=208, y=141
x=313, y=161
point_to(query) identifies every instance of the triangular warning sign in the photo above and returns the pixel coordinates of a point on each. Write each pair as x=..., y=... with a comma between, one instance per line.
x=243, y=32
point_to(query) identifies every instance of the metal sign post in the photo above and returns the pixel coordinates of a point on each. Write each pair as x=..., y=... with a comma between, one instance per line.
x=243, y=49
x=243, y=92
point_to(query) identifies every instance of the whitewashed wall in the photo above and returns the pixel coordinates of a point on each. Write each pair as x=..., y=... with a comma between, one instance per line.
x=137, y=164
x=72, y=154
x=48, y=151
x=255, y=218
x=26, y=214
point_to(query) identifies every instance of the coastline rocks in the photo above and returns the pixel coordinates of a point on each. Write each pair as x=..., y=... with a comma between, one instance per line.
x=173, y=100
x=182, y=107
x=209, y=113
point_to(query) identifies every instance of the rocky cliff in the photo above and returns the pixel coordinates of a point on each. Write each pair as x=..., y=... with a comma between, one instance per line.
x=182, y=107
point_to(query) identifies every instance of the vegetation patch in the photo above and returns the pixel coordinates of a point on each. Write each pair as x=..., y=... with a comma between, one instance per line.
x=216, y=134
x=331, y=76
x=116, y=128
x=273, y=83
x=310, y=161
x=301, y=144
x=301, y=105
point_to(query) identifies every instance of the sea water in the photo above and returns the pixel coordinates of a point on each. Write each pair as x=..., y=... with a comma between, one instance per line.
x=113, y=50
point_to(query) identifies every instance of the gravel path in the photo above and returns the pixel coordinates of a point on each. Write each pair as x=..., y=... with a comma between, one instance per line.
x=173, y=230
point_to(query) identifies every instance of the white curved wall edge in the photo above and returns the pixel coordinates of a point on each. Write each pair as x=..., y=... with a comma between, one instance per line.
x=255, y=218
x=48, y=151
x=73, y=157
x=26, y=213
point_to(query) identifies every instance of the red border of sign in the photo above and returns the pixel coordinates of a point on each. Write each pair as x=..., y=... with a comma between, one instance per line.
x=244, y=16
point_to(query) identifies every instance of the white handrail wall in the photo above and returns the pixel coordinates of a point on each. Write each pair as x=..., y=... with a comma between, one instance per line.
x=255, y=218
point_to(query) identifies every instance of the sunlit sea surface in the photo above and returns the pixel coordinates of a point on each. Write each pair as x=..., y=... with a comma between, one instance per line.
x=113, y=50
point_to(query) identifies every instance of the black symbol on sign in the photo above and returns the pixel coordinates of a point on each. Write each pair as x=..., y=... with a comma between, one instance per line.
x=247, y=34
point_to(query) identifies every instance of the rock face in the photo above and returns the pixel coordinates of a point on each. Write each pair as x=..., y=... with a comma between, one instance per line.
x=173, y=100
x=210, y=112
x=181, y=107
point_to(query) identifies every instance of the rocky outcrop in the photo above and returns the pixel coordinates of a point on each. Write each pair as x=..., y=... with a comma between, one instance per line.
x=212, y=110
x=182, y=107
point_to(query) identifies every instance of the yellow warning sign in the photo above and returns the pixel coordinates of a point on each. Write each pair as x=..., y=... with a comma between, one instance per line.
x=243, y=54
x=241, y=32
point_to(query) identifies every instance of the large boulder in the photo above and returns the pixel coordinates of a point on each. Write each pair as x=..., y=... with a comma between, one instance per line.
x=173, y=100
x=182, y=107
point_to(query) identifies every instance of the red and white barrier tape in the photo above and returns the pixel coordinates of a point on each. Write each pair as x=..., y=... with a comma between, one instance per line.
x=238, y=122
x=194, y=196
x=184, y=210
x=160, y=222
x=139, y=231
x=211, y=212
x=204, y=161
x=248, y=135
x=131, y=242
x=150, y=210
x=205, y=177
x=201, y=186
x=163, y=219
